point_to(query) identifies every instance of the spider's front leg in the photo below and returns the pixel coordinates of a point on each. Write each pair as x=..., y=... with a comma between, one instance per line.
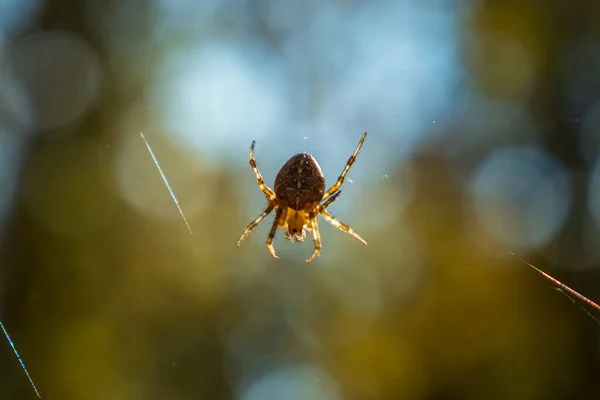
x=261, y=182
x=331, y=199
x=351, y=160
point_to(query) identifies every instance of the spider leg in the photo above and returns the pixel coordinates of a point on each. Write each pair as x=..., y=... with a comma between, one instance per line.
x=331, y=199
x=256, y=221
x=261, y=182
x=270, y=246
x=340, y=225
x=314, y=223
x=340, y=180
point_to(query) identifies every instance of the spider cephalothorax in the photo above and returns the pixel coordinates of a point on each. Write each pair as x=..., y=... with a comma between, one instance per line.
x=299, y=198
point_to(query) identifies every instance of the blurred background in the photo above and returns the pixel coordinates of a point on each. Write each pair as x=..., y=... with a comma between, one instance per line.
x=484, y=138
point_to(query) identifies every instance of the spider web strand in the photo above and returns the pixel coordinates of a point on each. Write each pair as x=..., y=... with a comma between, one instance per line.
x=582, y=308
x=564, y=288
x=166, y=181
x=14, y=348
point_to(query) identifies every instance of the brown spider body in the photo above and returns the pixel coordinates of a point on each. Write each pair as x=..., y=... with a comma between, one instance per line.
x=300, y=182
x=299, y=198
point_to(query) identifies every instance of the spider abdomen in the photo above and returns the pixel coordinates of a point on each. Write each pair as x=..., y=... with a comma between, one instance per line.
x=300, y=182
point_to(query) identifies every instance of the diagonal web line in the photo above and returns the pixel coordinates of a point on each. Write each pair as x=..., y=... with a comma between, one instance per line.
x=564, y=289
x=14, y=348
x=166, y=181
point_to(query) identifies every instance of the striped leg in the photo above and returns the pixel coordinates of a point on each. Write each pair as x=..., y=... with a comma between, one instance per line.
x=256, y=221
x=340, y=180
x=341, y=226
x=317, y=237
x=261, y=182
x=270, y=246
x=331, y=199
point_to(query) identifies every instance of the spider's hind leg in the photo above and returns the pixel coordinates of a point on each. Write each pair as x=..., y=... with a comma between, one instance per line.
x=340, y=225
x=253, y=224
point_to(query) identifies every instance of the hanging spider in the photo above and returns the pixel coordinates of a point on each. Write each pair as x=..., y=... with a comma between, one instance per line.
x=299, y=198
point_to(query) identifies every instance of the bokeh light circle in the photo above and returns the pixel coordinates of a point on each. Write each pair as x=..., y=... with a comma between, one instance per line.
x=297, y=382
x=61, y=75
x=521, y=196
x=212, y=96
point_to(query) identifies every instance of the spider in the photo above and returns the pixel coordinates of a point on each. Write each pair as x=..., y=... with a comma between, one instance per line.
x=298, y=199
